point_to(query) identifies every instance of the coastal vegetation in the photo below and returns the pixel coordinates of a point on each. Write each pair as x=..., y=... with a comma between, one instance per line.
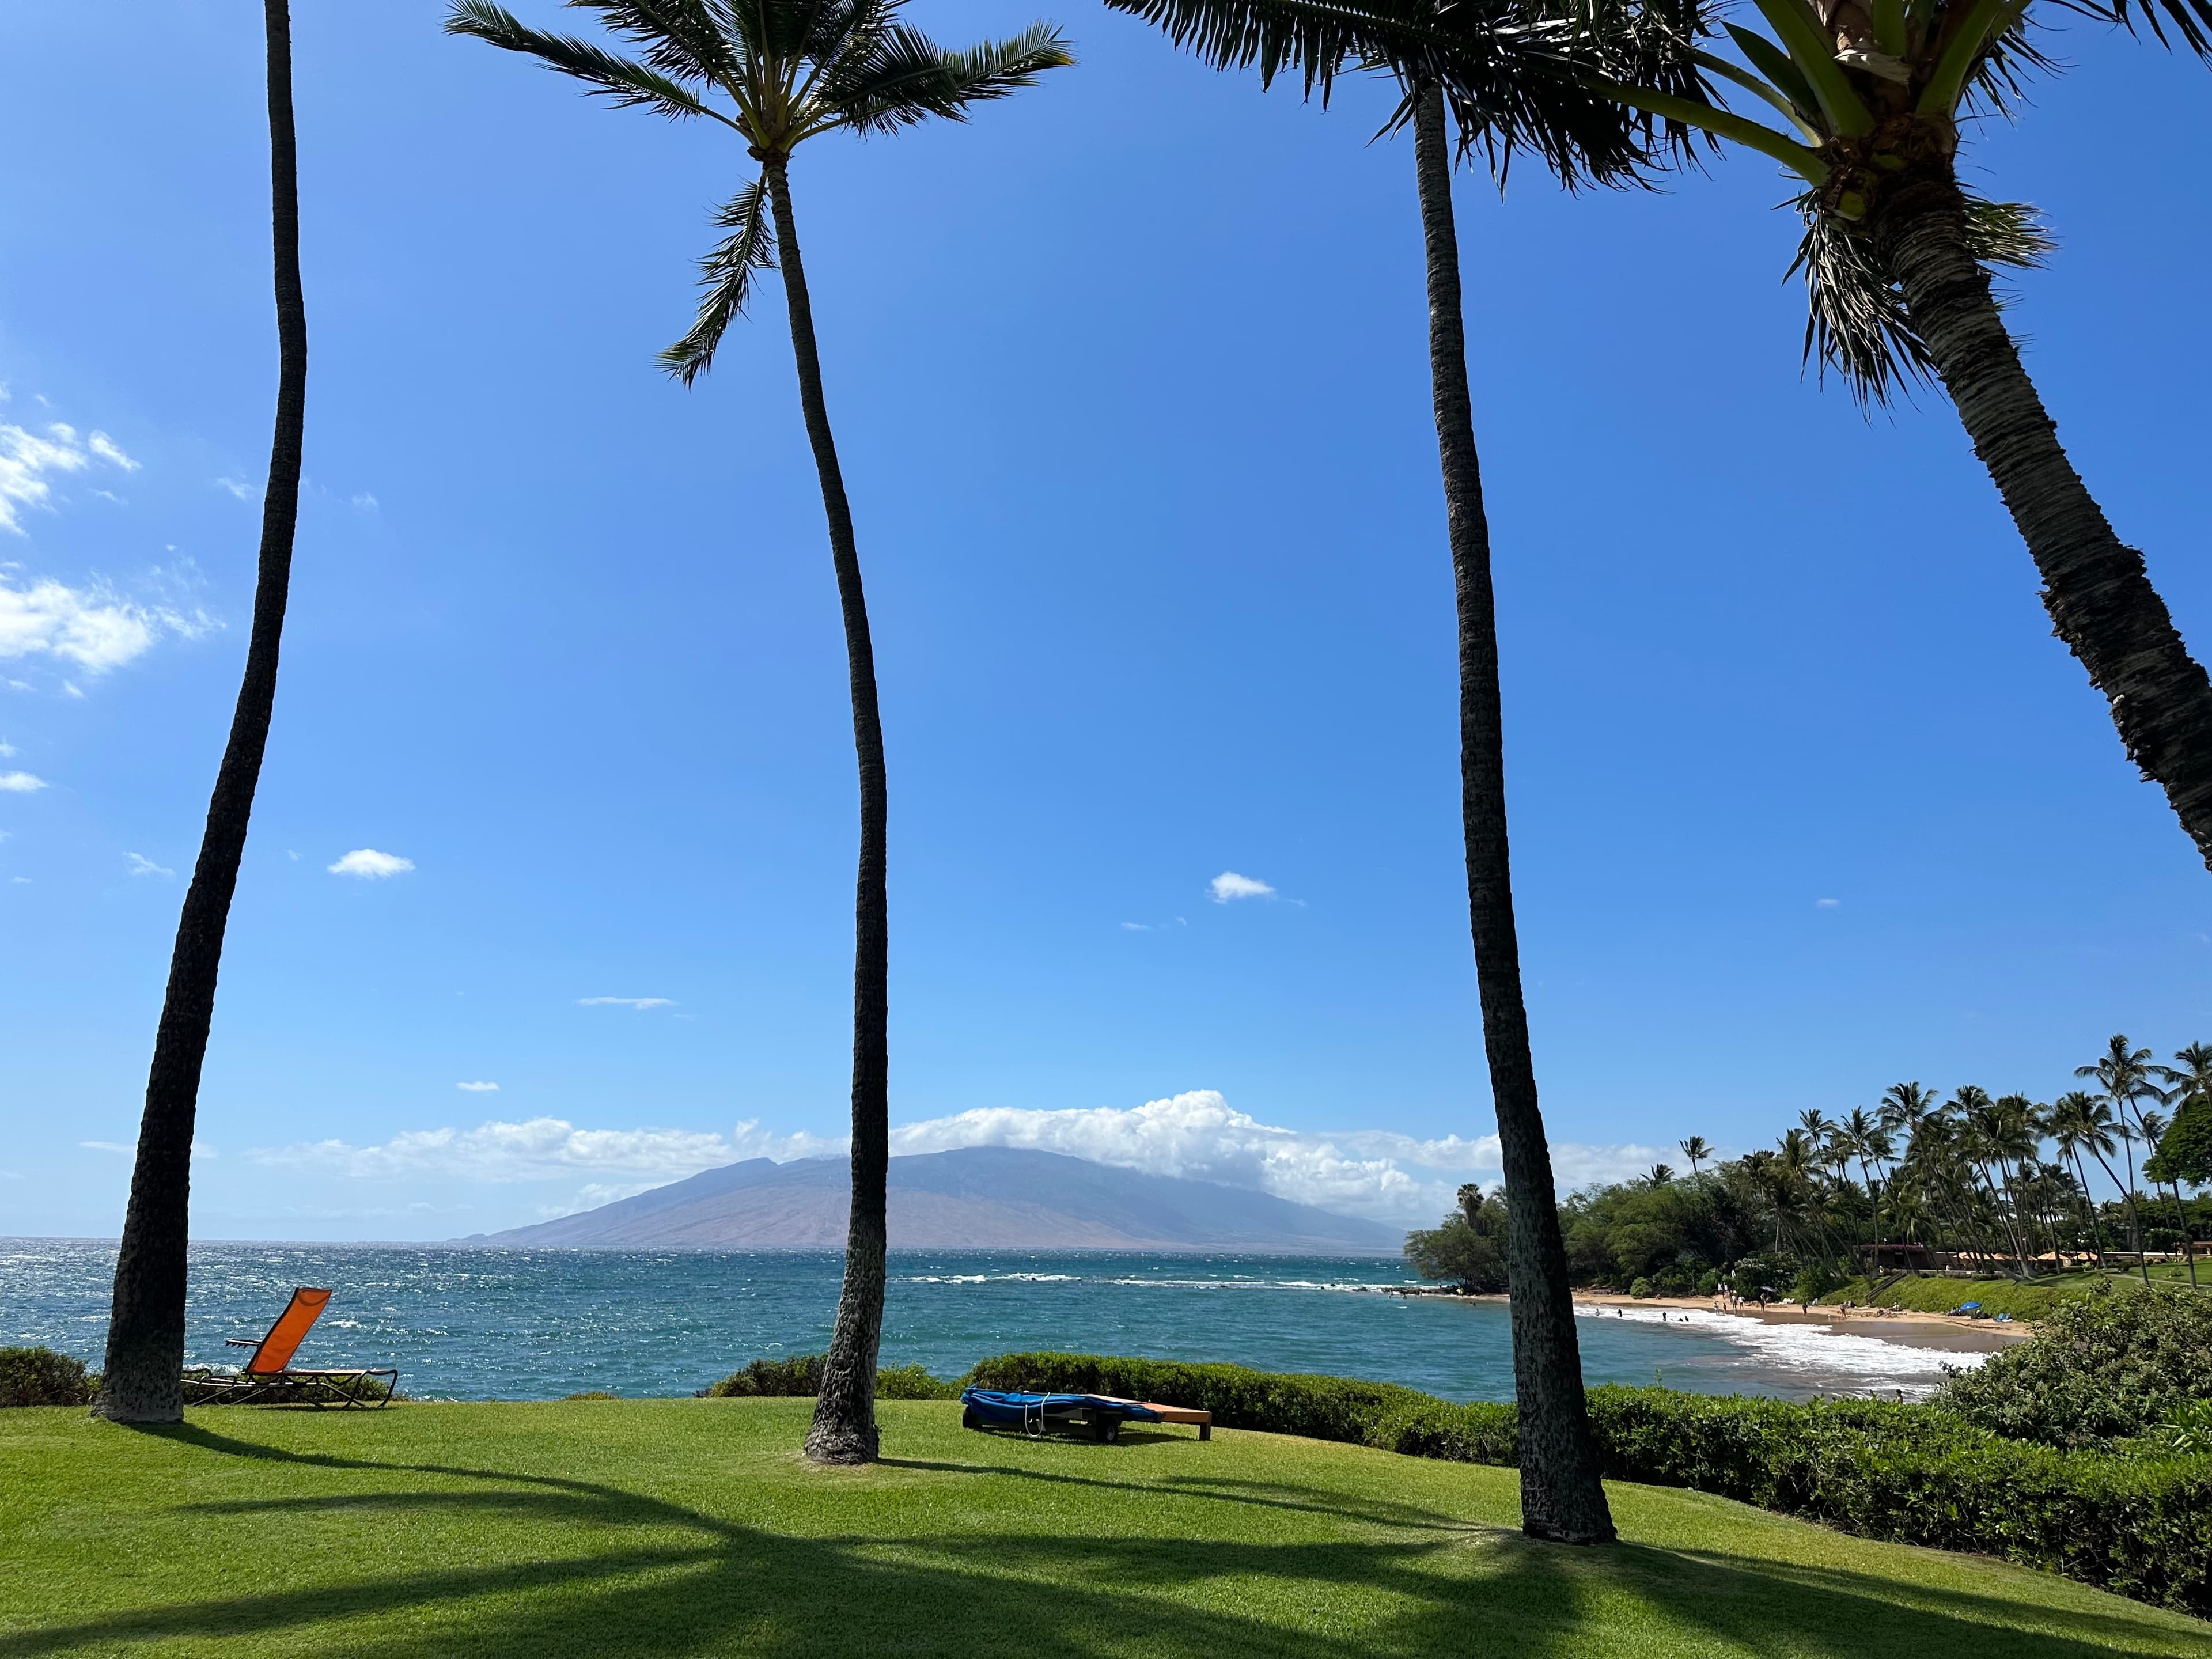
x=143, y=1381
x=688, y=1527
x=776, y=73
x=1859, y=1208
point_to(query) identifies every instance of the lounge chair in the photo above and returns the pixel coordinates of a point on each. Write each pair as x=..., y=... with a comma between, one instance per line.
x=1101, y=1414
x=269, y=1377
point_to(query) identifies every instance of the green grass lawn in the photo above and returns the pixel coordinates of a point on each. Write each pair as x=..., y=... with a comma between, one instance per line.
x=650, y=1528
x=2032, y=1300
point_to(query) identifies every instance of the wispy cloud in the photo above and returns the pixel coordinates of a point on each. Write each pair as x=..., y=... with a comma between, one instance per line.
x=29, y=460
x=367, y=864
x=21, y=783
x=478, y=1088
x=1826, y=905
x=126, y=1148
x=639, y=1003
x=97, y=627
x=235, y=487
x=545, y=1148
x=142, y=865
x=364, y=502
x=1230, y=885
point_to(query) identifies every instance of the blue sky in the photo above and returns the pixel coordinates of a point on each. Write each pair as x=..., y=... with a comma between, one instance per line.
x=1129, y=379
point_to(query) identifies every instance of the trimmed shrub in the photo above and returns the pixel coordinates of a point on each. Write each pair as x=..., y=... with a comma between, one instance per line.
x=39, y=1377
x=801, y=1377
x=2103, y=1368
x=1914, y=1474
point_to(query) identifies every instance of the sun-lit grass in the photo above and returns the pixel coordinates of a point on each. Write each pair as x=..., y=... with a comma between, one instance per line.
x=652, y=1528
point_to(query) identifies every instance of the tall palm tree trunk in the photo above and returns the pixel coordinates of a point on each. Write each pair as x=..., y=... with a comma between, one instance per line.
x=2128, y=1195
x=142, y=1379
x=1561, y=1495
x=2100, y=599
x=2089, y=1206
x=844, y=1427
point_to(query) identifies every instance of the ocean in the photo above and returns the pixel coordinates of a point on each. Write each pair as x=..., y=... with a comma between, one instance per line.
x=488, y=1324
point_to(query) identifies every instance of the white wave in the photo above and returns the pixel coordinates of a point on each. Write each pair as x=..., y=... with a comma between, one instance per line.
x=1813, y=1353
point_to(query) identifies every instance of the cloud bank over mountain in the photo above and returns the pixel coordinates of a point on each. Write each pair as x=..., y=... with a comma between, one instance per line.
x=1375, y=1173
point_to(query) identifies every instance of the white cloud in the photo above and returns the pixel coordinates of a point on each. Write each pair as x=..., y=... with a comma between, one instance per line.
x=1370, y=1172
x=200, y=1148
x=479, y=1088
x=547, y=1148
x=639, y=1003
x=104, y=446
x=1379, y=1174
x=21, y=783
x=364, y=502
x=1137, y=927
x=94, y=626
x=1826, y=905
x=370, y=864
x=141, y=865
x=1230, y=885
x=234, y=486
x=27, y=461
x=6, y=750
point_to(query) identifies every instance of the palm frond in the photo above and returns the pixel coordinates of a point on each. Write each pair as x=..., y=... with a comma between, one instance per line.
x=621, y=80
x=1857, y=322
x=681, y=37
x=725, y=275
x=1512, y=71
x=2191, y=19
x=902, y=76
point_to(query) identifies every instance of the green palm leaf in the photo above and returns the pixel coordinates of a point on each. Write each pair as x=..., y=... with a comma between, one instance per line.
x=725, y=275
x=625, y=82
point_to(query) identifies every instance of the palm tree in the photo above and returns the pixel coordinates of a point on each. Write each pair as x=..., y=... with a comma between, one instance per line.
x=2126, y=1074
x=2078, y=1124
x=1861, y=1134
x=2189, y=1080
x=1896, y=254
x=1507, y=70
x=2095, y=1129
x=1658, y=1175
x=142, y=1381
x=789, y=70
x=1697, y=1150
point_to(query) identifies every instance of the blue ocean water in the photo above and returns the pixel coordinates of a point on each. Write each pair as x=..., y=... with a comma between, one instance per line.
x=478, y=1324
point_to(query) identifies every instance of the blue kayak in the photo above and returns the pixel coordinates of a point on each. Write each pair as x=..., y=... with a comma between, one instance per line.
x=1035, y=1413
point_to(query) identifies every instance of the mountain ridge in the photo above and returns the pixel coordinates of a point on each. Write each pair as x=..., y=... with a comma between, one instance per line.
x=971, y=1198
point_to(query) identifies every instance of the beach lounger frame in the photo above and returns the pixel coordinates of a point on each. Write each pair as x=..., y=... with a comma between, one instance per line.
x=1101, y=1415
x=269, y=1378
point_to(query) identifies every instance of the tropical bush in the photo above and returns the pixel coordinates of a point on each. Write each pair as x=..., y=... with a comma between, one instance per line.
x=2103, y=1368
x=801, y=1377
x=1468, y=1247
x=39, y=1377
x=2141, y=1526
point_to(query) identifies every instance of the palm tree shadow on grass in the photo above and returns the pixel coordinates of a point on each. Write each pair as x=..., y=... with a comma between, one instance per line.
x=717, y=1586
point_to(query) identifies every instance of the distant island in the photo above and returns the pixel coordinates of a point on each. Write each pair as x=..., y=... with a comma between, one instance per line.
x=978, y=1198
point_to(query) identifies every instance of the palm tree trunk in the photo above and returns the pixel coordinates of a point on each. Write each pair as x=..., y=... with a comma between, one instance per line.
x=142, y=1379
x=2089, y=1205
x=1562, y=1496
x=2128, y=1195
x=2099, y=597
x=844, y=1427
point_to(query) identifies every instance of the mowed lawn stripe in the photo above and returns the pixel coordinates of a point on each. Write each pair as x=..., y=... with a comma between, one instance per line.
x=676, y=1528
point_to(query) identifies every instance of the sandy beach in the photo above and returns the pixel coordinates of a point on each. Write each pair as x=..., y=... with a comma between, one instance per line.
x=1945, y=1333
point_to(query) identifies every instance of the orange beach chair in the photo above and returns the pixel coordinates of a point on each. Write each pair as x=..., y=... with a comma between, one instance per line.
x=269, y=1377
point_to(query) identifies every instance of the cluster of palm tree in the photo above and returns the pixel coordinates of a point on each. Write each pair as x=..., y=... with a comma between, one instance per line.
x=2001, y=1180
x=1598, y=92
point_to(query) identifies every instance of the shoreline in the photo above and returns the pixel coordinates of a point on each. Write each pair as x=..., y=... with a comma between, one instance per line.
x=1946, y=1333
x=1904, y=1327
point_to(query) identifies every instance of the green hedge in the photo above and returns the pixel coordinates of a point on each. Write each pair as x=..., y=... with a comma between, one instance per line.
x=1913, y=1474
x=39, y=1377
x=800, y=1378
